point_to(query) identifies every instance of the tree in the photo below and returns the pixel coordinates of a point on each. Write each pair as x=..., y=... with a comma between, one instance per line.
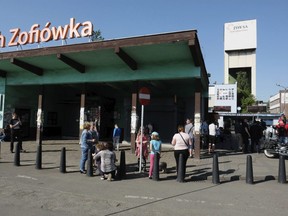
x=96, y=36
x=244, y=96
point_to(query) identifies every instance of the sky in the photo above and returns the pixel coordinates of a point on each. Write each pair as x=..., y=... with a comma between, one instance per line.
x=128, y=18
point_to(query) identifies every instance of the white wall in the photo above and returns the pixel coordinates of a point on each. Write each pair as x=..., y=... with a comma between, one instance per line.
x=239, y=59
x=240, y=35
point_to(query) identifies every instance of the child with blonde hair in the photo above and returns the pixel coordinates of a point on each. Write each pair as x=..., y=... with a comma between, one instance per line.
x=155, y=148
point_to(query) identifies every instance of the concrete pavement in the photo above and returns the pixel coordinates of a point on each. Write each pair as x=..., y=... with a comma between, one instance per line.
x=232, y=165
x=28, y=191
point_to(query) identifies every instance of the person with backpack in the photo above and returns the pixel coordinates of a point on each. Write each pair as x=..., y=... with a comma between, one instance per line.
x=155, y=148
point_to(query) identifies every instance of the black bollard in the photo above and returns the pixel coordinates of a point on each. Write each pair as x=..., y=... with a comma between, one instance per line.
x=89, y=164
x=17, y=155
x=215, y=170
x=122, y=168
x=155, y=176
x=63, y=160
x=282, y=170
x=249, y=170
x=39, y=157
x=181, y=169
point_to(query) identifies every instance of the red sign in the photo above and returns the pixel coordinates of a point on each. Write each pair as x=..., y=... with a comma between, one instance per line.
x=144, y=96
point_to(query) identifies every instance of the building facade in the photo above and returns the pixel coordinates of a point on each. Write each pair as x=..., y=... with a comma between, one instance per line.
x=278, y=103
x=240, y=43
x=223, y=98
x=56, y=89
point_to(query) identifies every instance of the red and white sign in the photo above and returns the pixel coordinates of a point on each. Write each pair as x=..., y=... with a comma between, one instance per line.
x=144, y=96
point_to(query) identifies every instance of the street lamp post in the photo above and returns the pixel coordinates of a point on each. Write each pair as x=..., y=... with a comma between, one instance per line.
x=285, y=90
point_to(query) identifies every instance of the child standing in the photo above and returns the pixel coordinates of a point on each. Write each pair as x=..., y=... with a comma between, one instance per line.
x=155, y=147
x=145, y=153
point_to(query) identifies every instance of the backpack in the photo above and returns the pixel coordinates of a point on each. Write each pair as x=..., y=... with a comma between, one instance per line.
x=204, y=129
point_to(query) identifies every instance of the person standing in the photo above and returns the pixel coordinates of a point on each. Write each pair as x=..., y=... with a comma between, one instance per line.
x=256, y=134
x=155, y=148
x=204, y=131
x=145, y=141
x=116, y=137
x=150, y=128
x=281, y=131
x=238, y=136
x=189, y=129
x=245, y=136
x=86, y=142
x=212, y=137
x=181, y=142
x=15, y=127
x=94, y=134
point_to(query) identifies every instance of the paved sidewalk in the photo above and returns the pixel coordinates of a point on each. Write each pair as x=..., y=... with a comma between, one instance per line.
x=232, y=165
x=26, y=190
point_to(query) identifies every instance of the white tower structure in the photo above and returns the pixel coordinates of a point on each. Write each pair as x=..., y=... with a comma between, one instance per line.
x=240, y=42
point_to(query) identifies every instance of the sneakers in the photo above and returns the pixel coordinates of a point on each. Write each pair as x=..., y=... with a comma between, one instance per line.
x=150, y=177
x=109, y=177
x=83, y=171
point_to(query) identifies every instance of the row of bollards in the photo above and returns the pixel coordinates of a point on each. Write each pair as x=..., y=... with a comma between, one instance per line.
x=121, y=172
x=249, y=170
x=38, y=156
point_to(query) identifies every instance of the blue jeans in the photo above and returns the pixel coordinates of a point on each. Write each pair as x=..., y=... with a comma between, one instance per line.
x=84, y=158
x=116, y=140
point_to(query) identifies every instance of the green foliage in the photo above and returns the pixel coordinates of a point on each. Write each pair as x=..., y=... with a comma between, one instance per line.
x=247, y=101
x=244, y=97
x=96, y=36
x=243, y=82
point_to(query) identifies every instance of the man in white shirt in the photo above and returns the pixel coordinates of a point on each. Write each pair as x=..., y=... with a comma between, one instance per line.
x=212, y=137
